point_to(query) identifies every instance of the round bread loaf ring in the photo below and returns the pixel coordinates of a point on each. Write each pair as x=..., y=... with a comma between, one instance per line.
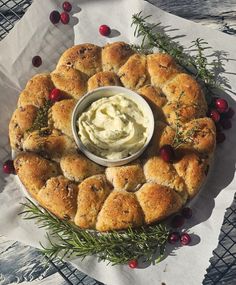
x=143, y=192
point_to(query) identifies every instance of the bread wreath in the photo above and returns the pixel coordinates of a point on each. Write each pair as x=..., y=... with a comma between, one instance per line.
x=145, y=191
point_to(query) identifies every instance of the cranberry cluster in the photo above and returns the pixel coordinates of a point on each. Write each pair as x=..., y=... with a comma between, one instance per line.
x=55, y=16
x=220, y=113
x=178, y=222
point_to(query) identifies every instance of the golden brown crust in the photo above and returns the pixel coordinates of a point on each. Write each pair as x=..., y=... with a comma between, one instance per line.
x=33, y=171
x=158, y=171
x=60, y=116
x=104, y=78
x=49, y=143
x=21, y=121
x=114, y=55
x=185, y=90
x=161, y=67
x=59, y=197
x=77, y=167
x=126, y=177
x=72, y=82
x=193, y=169
x=37, y=91
x=155, y=99
x=133, y=73
x=85, y=58
x=160, y=188
x=200, y=135
x=176, y=113
x=121, y=210
x=157, y=202
x=93, y=191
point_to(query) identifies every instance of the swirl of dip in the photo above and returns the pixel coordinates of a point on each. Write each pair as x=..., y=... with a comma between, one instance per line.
x=113, y=127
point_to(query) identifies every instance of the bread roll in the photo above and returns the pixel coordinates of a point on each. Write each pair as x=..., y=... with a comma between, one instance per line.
x=37, y=91
x=114, y=55
x=77, y=167
x=93, y=191
x=59, y=197
x=34, y=170
x=21, y=121
x=85, y=58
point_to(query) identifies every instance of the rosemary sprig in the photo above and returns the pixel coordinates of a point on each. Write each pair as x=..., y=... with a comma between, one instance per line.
x=200, y=62
x=197, y=65
x=181, y=136
x=116, y=247
x=153, y=39
x=184, y=137
x=41, y=120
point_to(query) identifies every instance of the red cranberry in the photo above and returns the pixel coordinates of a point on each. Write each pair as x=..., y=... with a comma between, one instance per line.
x=133, y=263
x=167, y=153
x=229, y=114
x=65, y=18
x=173, y=237
x=67, y=6
x=55, y=17
x=214, y=115
x=221, y=105
x=185, y=239
x=36, y=61
x=226, y=123
x=187, y=212
x=177, y=221
x=104, y=30
x=8, y=167
x=56, y=95
x=220, y=137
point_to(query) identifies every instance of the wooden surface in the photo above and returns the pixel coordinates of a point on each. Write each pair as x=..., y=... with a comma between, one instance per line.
x=216, y=14
x=24, y=265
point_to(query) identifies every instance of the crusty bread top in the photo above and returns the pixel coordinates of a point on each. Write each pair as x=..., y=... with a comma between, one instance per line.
x=161, y=67
x=37, y=91
x=60, y=116
x=72, y=82
x=85, y=58
x=103, y=78
x=115, y=55
x=77, y=167
x=133, y=74
x=143, y=192
x=126, y=177
x=155, y=99
x=59, y=196
x=93, y=191
x=21, y=121
x=34, y=171
x=158, y=201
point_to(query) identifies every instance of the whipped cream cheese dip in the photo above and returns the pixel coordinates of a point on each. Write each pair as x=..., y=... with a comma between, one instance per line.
x=113, y=127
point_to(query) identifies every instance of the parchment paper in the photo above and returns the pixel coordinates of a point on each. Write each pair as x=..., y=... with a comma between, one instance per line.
x=35, y=35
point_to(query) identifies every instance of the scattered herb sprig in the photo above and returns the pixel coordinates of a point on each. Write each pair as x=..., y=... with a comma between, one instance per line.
x=197, y=64
x=41, y=120
x=184, y=137
x=115, y=247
